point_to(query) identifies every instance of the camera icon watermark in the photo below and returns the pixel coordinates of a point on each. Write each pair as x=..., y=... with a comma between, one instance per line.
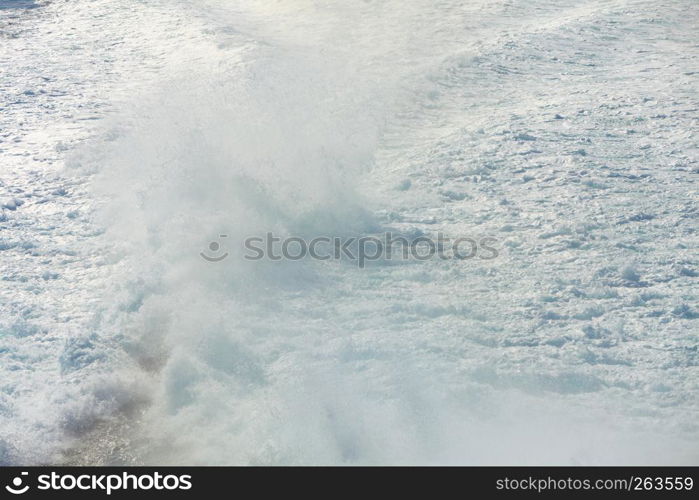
x=16, y=488
x=216, y=248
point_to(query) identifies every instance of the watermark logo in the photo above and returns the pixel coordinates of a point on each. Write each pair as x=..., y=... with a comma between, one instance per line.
x=360, y=249
x=215, y=247
x=16, y=488
x=105, y=483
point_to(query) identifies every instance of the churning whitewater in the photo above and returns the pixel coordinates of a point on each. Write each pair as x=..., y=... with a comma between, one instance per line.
x=137, y=137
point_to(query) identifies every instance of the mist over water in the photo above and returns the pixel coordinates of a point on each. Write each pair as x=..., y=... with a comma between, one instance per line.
x=275, y=140
x=346, y=119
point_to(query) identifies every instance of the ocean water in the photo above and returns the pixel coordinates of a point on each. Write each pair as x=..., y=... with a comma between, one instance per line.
x=133, y=135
